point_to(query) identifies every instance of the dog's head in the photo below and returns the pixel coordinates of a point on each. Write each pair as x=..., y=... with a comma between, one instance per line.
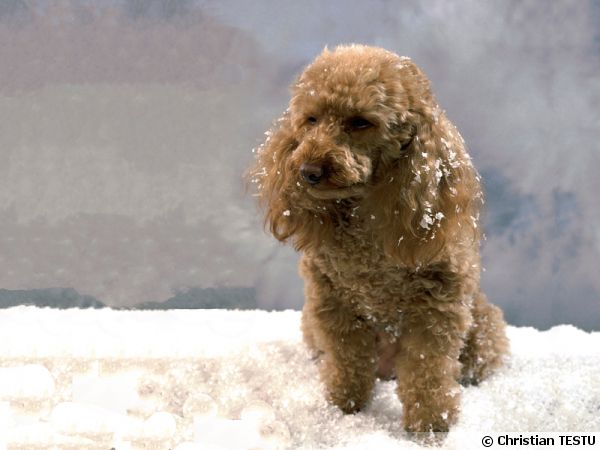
x=363, y=136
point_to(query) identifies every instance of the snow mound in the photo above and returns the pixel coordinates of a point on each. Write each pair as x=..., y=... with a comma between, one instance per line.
x=213, y=379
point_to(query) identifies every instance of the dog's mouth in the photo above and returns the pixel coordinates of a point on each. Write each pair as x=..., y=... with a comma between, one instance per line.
x=337, y=181
x=337, y=193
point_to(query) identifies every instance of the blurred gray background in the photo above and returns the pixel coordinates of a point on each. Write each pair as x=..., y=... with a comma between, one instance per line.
x=125, y=127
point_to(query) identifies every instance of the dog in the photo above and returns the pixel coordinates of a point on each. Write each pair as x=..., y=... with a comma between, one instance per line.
x=365, y=175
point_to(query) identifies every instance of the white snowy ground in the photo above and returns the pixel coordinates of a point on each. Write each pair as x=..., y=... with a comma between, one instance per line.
x=208, y=379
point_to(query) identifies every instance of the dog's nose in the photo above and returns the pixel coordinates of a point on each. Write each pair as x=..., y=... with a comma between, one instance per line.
x=312, y=173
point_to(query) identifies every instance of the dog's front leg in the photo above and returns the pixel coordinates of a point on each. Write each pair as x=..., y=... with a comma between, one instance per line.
x=349, y=355
x=427, y=365
x=347, y=344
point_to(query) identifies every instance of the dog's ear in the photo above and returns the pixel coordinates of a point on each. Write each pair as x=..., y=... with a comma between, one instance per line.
x=429, y=192
x=279, y=193
x=269, y=174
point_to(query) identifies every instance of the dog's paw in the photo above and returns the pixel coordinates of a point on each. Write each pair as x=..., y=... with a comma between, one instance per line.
x=421, y=420
x=348, y=406
x=349, y=397
x=429, y=439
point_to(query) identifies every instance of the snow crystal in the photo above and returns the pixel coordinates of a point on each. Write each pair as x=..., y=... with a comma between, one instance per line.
x=286, y=213
x=438, y=172
x=426, y=220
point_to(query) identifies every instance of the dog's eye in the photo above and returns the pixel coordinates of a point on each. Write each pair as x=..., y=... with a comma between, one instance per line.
x=358, y=124
x=311, y=120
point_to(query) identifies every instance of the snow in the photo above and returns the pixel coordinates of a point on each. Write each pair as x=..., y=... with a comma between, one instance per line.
x=214, y=379
x=28, y=381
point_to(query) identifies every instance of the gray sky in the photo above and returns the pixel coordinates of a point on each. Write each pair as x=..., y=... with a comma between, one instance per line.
x=125, y=127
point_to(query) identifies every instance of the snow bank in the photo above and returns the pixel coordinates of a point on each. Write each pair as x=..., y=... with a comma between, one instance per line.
x=200, y=379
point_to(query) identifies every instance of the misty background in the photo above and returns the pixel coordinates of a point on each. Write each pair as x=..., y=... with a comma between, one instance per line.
x=126, y=125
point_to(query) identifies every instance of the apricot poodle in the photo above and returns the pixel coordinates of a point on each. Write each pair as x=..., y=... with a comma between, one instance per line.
x=366, y=176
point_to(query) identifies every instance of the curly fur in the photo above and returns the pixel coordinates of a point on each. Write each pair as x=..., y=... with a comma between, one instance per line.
x=388, y=234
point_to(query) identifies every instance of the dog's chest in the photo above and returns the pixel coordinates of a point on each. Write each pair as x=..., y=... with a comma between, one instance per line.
x=365, y=278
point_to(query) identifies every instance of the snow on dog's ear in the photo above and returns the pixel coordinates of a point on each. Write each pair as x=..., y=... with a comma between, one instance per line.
x=270, y=174
x=429, y=192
